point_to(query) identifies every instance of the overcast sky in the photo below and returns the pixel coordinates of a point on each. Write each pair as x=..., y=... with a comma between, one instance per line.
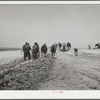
x=78, y=24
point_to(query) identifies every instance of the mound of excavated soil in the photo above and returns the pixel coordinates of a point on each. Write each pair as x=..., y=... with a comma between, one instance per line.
x=19, y=75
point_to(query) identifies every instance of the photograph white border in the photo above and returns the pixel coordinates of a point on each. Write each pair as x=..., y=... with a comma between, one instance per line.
x=50, y=94
x=38, y=94
x=49, y=2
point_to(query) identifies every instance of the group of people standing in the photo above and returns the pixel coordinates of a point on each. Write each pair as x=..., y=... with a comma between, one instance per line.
x=65, y=46
x=35, y=50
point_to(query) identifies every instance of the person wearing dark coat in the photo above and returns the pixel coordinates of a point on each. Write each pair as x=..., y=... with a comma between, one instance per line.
x=76, y=51
x=68, y=45
x=53, y=50
x=64, y=47
x=35, y=50
x=44, y=50
x=60, y=45
x=89, y=46
x=26, y=50
x=38, y=51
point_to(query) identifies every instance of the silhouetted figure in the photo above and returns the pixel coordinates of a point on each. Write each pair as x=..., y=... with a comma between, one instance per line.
x=76, y=51
x=97, y=45
x=44, y=50
x=35, y=50
x=53, y=50
x=38, y=54
x=60, y=45
x=89, y=46
x=26, y=51
x=68, y=45
x=64, y=47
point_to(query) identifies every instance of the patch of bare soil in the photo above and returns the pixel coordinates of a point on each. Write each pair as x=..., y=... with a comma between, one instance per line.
x=73, y=73
x=64, y=72
x=19, y=75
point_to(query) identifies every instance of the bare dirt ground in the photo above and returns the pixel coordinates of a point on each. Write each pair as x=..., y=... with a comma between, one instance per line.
x=71, y=72
x=64, y=72
x=25, y=75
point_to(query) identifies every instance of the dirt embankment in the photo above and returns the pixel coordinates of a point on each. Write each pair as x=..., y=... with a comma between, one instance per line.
x=20, y=75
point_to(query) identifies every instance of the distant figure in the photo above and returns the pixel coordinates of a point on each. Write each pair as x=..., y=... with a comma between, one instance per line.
x=89, y=46
x=53, y=50
x=44, y=50
x=35, y=50
x=60, y=45
x=76, y=51
x=64, y=47
x=26, y=51
x=97, y=45
x=68, y=46
x=38, y=54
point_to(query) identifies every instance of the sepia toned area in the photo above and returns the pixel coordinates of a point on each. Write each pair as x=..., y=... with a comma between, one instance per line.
x=49, y=47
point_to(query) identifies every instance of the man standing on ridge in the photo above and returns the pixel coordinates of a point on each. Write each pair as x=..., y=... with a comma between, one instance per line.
x=35, y=50
x=26, y=50
x=44, y=50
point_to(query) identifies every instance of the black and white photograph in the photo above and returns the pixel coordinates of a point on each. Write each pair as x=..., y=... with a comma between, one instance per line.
x=50, y=47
